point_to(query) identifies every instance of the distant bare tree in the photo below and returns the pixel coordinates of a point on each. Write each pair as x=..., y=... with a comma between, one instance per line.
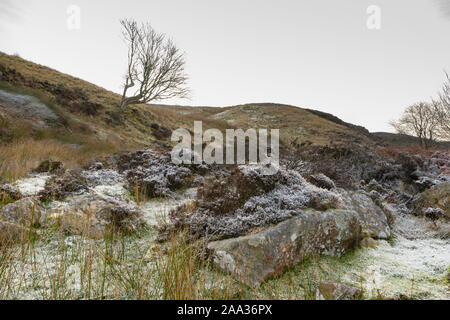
x=155, y=66
x=442, y=107
x=420, y=120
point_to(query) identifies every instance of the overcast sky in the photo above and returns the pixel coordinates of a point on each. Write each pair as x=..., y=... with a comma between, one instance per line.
x=316, y=54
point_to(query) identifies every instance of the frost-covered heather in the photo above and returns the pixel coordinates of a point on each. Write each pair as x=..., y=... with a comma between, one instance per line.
x=153, y=174
x=289, y=195
x=102, y=177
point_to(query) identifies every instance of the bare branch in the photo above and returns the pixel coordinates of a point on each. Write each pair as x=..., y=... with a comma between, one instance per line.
x=155, y=66
x=421, y=120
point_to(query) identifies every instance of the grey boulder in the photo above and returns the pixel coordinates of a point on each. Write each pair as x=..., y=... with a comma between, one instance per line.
x=257, y=257
x=373, y=220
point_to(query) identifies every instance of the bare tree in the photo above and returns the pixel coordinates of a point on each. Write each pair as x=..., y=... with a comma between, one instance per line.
x=155, y=66
x=420, y=120
x=442, y=109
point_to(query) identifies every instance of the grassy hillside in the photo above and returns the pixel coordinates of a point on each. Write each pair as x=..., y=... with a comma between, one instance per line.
x=89, y=124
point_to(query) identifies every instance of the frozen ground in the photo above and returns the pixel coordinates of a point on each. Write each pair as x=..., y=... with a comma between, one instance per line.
x=415, y=264
x=32, y=185
x=404, y=268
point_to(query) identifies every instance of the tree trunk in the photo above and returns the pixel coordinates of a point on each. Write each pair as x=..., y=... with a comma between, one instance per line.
x=130, y=100
x=126, y=101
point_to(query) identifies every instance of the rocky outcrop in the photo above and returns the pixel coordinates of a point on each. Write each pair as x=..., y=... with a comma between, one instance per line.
x=94, y=216
x=27, y=107
x=26, y=211
x=435, y=199
x=372, y=218
x=231, y=206
x=256, y=257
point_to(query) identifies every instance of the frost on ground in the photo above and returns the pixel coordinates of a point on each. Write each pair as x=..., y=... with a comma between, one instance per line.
x=157, y=211
x=75, y=267
x=63, y=265
x=414, y=269
x=413, y=265
x=32, y=185
x=58, y=266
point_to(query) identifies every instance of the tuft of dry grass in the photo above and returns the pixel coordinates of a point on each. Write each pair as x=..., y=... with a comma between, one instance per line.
x=53, y=266
x=21, y=156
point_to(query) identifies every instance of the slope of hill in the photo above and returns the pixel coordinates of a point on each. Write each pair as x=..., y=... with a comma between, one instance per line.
x=86, y=117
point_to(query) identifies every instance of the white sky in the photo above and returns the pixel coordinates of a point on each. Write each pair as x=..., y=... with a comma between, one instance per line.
x=314, y=54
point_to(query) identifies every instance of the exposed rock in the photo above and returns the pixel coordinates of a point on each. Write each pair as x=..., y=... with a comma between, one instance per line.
x=93, y=216
x=26, y=211
x=372, y=219
x=257, y=257
x=338, y=291
x=389, y=211
x=437, y=197
x=27, y=107
x=10, y=233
